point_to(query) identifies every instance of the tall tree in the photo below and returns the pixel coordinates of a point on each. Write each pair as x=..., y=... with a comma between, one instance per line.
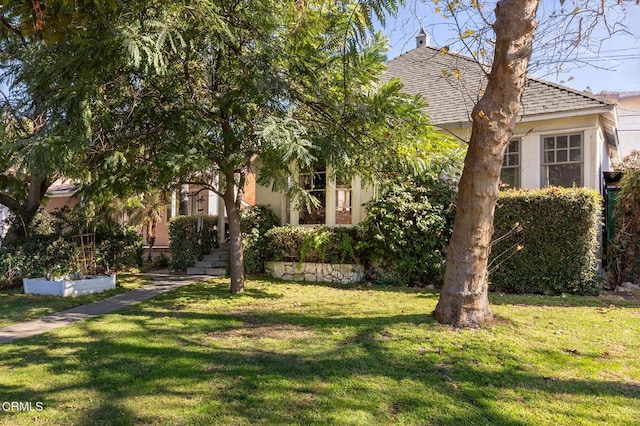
x=464, y=300
x=47, y=70
x=285, y=82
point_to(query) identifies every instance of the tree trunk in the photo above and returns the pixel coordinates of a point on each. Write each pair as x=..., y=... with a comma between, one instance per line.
x=27, y=210
x=232, y=205
x=151, y=235
x=463, y=300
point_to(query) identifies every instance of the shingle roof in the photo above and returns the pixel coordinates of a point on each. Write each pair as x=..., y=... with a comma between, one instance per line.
x=451, y=84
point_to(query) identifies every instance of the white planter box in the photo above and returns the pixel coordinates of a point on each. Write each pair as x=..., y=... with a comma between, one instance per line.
x=65, y=287
x=317, y=272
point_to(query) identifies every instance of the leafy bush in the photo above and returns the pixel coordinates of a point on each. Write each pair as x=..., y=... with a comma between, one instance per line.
x=284, y=243
x=623, y=251
x=258, y=217
x=161, y=260
x=186, y=244
x=546, y=242
x=255, y=221
x=48, y=250
x=120, y=248
x=322, y=244
x=407, y=229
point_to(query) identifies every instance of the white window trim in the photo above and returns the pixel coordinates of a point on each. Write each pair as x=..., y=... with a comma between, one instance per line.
x=330, y=201
x=519, y=166
x=543, y=164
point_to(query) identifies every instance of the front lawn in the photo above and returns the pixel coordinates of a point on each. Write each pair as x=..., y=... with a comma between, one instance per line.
x=288, y=353
x=15, y=306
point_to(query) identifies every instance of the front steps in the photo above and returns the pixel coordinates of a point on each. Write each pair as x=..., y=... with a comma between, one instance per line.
x=214, y=264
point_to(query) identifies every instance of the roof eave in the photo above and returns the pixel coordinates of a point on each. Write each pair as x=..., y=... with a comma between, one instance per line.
x=567, y=114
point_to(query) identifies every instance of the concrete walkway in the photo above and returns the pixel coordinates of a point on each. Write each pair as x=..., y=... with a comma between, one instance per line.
x=163, y=281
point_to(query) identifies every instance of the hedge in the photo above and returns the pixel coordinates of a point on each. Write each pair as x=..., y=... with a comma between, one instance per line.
x=255, y=221
x=545, y=241
x=186, y=244
x=407, y=229
x=321, y=245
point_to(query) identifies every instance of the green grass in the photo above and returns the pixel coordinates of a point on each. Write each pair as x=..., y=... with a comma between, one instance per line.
x=15, y=306
x=289, y=353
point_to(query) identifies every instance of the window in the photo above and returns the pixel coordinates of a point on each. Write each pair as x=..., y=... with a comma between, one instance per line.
x=510, y=172
x=335, y=197
x=562, y=160
x=343, y=202
x=316, y=184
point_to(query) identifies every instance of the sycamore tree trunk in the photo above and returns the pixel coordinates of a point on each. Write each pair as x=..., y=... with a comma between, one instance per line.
x=233, y=201
x=463, y=300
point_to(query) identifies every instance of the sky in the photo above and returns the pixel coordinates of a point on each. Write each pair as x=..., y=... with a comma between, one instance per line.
x=610, y=64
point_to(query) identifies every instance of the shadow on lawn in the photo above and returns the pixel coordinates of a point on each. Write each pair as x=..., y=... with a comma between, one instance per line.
x=604, y=300
x=293, y=377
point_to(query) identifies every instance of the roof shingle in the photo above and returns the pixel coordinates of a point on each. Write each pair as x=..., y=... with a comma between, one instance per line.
x=452, y=84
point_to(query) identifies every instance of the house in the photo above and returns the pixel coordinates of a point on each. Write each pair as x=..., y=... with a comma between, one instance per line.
x=563, y=137
x=628, y=106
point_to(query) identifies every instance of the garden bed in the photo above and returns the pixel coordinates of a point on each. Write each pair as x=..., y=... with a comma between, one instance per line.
x=66, y=287
x=315, y=272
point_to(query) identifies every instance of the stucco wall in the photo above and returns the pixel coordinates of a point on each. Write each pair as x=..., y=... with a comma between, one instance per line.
x=629, y=124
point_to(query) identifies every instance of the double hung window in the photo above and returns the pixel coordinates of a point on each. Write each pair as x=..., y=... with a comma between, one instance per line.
x=562, y=159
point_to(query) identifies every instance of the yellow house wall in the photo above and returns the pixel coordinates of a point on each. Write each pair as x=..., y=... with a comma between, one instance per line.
x=629, y=124
x=530, y=133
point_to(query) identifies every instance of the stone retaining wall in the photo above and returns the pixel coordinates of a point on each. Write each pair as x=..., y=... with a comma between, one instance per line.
x=316, y=272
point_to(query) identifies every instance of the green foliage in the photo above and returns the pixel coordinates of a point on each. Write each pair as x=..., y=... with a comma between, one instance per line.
x=407, y=229
x=36, y=257
x=255, y=222
x=48, y=250
x=120, y=248
x=187, y=244
x=258, y=218
x=623, y=252
x=321, y=245
x=161, y=260
x=546, y=241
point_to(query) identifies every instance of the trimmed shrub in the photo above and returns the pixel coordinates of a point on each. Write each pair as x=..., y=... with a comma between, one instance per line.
x=186, y=244
x=255, y=221
x=258, y=217
x=284, y=243
x=545, y=241
x=321, y=245
x=407, y=229
x=119, y=248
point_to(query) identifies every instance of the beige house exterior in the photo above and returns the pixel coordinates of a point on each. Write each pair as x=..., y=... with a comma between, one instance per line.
x=563, y=137
x=628, y=106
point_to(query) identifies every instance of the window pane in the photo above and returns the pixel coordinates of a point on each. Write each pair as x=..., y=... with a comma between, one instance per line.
x=574, y=140
x=566, y=175
x=513, y=146
x=561, y=156
x=549, y=157
x=561, y=142
x=316, y=215
x=343, y=207
x=315, y=183
x=510, y=177
x=574, y=154
x=513, y=160
x=549, y=143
